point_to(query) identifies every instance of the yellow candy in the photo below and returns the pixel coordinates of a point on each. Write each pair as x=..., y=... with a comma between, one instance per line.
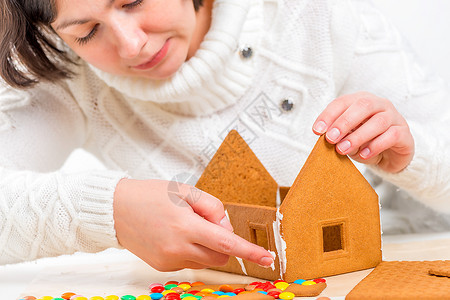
x=286, y=295
x=184, y=286
x=80, y=298
x=168, y=292
x=112, y=297
x=47, y=297
x=207, y=291
x=144, y=297
x=223, y=296
x=97, y=298
x=189, y=298
x=281, y=285
x=308, y=282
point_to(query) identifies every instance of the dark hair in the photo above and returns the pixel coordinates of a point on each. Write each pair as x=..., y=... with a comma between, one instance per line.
x=28, y=49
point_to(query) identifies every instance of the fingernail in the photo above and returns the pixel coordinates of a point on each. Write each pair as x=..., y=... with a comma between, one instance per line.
x=266, y=261
x=225, y=223
x=344, y=146
x=365, y=153
x=320, y=127
x=333, y=134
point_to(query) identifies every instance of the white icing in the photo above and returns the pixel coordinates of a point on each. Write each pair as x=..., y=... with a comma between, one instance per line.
x=278, y=201
x=273, y=256
x=280, y=244
x=242, y=265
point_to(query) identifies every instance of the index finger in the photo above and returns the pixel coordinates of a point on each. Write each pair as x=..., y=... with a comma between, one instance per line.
x=221, y=240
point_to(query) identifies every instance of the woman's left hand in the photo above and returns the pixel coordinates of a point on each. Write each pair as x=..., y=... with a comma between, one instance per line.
x=369, y=129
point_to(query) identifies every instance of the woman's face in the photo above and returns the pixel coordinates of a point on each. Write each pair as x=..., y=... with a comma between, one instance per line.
x=144, y=38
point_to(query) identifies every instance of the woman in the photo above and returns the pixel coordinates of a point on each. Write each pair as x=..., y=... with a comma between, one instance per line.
x=150, y=87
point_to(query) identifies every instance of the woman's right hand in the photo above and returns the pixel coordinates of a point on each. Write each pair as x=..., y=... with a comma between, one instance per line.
x=172, y=229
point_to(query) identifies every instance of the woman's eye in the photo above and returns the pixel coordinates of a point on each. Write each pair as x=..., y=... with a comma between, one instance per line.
x=133, y=4
x=88, y=37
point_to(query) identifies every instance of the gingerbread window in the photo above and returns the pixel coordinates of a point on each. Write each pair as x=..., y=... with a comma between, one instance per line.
x=334, y=238
x=258, y=235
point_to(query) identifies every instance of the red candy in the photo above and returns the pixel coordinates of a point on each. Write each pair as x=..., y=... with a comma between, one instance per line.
x=278, y=280
x=255, y=283
x=194, y=292
x=319, y=280
x=274, y=294
x=172, y=296
x=157, y=289
x=171, y=282
x=237, y=291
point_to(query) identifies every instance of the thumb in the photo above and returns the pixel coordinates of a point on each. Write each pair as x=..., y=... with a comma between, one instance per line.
x=206, y=205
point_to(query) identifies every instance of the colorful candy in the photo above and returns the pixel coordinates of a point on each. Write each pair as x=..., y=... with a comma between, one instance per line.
x=174, y=290
x=286, y=295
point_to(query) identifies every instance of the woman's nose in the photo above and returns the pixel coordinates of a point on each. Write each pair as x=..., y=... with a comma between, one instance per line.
x=130, y=38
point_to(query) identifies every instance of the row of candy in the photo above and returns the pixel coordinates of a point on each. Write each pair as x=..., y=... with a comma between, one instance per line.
x=173, y=290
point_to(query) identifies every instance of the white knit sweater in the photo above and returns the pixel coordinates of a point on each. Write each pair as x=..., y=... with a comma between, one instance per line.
x=306, y=51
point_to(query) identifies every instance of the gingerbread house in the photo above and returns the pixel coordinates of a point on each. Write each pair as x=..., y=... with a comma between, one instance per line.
x=326, y=223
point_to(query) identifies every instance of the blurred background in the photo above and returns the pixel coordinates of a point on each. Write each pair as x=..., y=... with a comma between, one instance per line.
x=425, y=24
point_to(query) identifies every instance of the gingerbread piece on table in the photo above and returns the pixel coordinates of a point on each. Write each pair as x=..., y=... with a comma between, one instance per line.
x=403, y=280
x=442, y=269
x=300, y=290
x=328, y=222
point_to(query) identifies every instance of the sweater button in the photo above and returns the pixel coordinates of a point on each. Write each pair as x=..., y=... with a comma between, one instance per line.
x=287, y=104
x=246, y=52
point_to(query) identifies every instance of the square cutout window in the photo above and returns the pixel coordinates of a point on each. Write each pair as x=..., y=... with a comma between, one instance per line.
x=332, y=238
x=258, y=235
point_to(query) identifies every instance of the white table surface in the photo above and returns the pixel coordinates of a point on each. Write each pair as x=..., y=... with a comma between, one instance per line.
x=119, y=272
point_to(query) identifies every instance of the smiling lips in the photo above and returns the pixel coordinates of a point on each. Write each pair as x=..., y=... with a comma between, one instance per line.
x=155, y=59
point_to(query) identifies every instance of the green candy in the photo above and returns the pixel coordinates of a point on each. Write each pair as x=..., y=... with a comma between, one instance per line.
x=128, y=297
x=170, y=286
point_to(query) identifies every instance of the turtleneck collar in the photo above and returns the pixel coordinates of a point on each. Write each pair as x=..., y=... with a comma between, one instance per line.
x=215, y=77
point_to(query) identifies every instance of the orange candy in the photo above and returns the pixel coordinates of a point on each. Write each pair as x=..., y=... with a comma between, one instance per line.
x=67, y=295
x=225, y=288
x=197, y=283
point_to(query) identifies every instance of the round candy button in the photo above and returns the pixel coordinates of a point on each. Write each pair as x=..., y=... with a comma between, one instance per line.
x=278, y=280
x=299, y=281
x=170, y=286
x=157, y=289
x=197, y=283
x=112, y=297
x=220, y=293
x=286, y=295
x=238, y=291
x=154, y=284
x=308, y=282
x=184, y=286
x=319, y=280
x=29, y=298
x=274, y=294
x=128, y=297
x=143, y=297
x=96, y=298
x=281, y=285
x=156, y=296
x=47, y=298
x=172, y=296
